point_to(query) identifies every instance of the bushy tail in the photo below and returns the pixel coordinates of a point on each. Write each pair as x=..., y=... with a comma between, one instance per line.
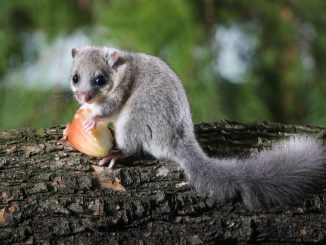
x=283, y=174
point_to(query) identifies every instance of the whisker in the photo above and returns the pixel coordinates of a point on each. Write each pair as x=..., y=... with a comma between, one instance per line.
x=63, y=96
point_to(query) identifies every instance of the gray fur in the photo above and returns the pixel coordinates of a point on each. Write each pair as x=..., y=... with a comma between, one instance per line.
x=149, y=108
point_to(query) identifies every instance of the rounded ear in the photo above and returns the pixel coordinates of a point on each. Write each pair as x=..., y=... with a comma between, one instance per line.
x=74, y=51
x=113, y=58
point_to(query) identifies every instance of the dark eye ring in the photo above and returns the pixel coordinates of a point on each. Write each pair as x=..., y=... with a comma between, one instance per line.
x=100, y=80
x=75, y=79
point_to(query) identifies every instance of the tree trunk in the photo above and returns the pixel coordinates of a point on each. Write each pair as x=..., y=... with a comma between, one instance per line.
x=50, y=194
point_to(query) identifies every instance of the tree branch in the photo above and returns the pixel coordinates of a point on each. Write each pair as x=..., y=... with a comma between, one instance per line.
x=49, y=193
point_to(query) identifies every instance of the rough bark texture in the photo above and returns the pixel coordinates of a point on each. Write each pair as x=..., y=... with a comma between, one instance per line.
x=48, y=194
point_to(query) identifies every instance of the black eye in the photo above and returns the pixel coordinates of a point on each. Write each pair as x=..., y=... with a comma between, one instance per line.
x=75, y=79
x=100, y=80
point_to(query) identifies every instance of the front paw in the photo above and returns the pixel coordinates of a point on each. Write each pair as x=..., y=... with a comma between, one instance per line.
x=90, y=123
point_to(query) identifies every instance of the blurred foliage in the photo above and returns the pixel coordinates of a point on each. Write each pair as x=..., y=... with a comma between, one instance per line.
x=35, y=107
x=287, y=81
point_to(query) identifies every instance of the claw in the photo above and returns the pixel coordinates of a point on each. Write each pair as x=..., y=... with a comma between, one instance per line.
x=104, y=162
x=110, y=159
x=90, y=123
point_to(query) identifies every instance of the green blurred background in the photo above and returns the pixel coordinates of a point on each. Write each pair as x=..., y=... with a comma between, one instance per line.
x=240, y=60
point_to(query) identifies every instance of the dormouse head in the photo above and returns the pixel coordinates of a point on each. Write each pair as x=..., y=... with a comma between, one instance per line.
x=95, y=72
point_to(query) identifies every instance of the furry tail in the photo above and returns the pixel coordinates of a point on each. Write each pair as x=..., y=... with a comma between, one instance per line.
x=283, y=174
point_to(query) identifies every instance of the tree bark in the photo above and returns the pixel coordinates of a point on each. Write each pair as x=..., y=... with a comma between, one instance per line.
x=49, y=194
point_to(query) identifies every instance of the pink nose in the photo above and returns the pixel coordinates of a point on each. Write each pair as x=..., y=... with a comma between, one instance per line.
x=84, y=96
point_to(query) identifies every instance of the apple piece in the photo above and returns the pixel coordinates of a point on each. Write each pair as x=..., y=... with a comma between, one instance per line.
x=97, y=142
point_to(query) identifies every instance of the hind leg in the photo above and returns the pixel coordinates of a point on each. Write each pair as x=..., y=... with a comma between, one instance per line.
x=127, y=133
x=126, y=146
x=127, y=141
x=131, y=131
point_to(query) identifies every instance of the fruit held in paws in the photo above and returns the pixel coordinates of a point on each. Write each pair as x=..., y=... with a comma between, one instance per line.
x=96, y=142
